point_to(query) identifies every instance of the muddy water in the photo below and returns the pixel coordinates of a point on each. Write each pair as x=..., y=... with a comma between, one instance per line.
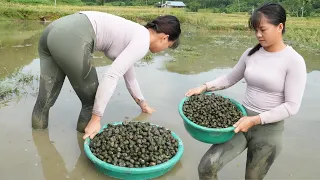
x=57, y=153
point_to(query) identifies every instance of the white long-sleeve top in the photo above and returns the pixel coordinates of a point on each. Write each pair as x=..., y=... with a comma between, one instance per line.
x=275, y=82
x=124, y=42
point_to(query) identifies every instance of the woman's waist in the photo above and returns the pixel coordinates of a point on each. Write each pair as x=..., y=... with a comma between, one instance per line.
x=260, y=100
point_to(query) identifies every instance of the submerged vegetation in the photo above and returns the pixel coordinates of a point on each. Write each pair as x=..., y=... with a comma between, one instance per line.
x=15, y=86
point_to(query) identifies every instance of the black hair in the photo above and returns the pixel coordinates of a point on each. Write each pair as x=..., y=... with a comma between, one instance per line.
x=169, y=25
x=275, y=14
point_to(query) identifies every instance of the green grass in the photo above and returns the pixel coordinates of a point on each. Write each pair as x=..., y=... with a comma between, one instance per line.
x=299, y=30
x=304, y=31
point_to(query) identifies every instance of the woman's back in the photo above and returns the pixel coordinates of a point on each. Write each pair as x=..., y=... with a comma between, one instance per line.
x=113, y=33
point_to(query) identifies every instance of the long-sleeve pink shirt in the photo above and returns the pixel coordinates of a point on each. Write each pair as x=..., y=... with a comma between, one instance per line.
x=124, y=42
x=275, y=82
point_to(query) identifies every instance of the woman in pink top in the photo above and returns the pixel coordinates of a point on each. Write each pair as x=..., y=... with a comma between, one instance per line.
x=66, y=47
x=276, y=77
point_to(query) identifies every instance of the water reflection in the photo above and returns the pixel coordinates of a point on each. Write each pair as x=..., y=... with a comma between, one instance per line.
x=53, y=165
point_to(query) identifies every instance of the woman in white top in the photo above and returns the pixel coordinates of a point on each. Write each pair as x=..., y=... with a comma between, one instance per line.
x=276, y=77
x=66, y=47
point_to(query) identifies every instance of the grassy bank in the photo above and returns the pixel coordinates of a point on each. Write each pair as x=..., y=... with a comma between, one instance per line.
x=303, y=31
x=299, y=30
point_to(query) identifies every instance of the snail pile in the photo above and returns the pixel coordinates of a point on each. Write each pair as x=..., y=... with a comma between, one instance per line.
x=134, y=145
x=211, y=111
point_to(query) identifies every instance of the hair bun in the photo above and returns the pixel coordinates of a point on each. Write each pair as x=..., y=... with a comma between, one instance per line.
x=152, y=24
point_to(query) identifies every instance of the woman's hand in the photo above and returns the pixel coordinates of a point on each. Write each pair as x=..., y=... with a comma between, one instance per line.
x=93, y=127
x=146, y=108
x=196, y=91
x=245, y=123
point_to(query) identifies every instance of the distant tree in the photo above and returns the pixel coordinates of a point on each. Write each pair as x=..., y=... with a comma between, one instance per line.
x=194, y=6
x=299, y=8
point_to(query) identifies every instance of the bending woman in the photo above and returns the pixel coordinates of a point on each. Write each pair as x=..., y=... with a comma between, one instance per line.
x=276, y=77
x=66, y=47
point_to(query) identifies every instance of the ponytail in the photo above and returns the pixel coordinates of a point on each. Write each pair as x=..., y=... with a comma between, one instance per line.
x=255, y=49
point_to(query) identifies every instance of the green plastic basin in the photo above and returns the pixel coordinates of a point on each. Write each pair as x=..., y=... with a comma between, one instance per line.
x=134, y=173
x=209, y=135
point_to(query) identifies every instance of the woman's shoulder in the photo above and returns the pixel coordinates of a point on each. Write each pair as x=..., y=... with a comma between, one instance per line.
x=292, y=58
x=293, y=53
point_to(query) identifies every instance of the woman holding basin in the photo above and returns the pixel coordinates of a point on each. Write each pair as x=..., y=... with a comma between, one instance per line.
x=276, y=77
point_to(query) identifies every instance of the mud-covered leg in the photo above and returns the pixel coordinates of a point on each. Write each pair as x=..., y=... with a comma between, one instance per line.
x=71, y=43
x=219, y=155
x=86, y=94
x=74, y=58
x=51, y=81
x=263, y=148
x=85, y=83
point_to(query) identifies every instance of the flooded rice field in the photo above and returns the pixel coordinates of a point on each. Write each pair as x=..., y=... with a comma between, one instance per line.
x=57, y=152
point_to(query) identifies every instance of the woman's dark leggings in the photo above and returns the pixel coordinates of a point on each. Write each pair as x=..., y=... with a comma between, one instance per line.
x=65, y=49
x=264, y=143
